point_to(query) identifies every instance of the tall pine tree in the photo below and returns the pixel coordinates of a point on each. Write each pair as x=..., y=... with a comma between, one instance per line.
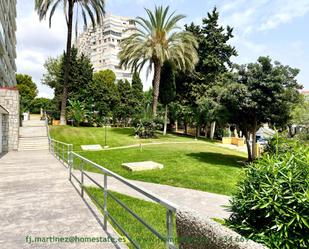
x=215, y=55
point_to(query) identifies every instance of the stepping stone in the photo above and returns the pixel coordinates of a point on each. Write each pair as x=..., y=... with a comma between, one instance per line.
x=91, y=147
x=140, y=166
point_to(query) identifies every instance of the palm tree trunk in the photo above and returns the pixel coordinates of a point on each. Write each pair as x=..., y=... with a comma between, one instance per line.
x=67, y=64
x=156, y=85
x=165, y=121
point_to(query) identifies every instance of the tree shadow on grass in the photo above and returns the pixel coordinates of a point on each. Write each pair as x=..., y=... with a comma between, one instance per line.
x=219, y=159
x=123, y=131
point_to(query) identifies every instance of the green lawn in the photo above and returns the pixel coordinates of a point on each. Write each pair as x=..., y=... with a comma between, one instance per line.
x=152, y=213
x=203, y=166
x=197, y=166
x=115, y=136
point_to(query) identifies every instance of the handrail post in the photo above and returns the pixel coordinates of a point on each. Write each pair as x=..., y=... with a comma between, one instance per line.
x=105, y=202
x=63, y=153
x=70, y=160
x=82, y=179
x=169, y=228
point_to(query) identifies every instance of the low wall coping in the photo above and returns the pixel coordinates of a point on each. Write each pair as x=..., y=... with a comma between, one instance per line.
x=200, y=232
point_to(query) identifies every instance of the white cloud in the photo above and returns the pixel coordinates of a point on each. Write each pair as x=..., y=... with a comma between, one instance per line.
x=232, y=5
x=284, y=12
x=36, y=42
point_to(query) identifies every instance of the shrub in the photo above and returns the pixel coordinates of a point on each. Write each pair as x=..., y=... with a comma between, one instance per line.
x=280, y=144
x=303, y=135
x=76, y=112
x=271, y=205
x=145, y=128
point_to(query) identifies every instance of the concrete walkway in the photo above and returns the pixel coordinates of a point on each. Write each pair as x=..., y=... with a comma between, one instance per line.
x=208, y=204
x=36, y=199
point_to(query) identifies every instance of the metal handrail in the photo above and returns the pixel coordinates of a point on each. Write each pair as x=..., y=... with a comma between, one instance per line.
x=170, y=207
x=60, y=149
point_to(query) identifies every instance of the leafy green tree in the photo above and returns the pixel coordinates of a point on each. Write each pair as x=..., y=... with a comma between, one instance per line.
x=155, y=41
x=52, y=74
x=263, y=93
x=124, y=109
x=215, y=55
x=27, y=90
x=300, y=114
x=137, y=92
x=107, y=76
x=104, y=93
x=39, y=103
x=94, y=9
x=167, y=88
x=147, y=112
x=80, y=78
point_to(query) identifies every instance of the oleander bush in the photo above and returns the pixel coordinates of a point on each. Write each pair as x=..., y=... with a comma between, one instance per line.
x=280, y=144
x=271, y=205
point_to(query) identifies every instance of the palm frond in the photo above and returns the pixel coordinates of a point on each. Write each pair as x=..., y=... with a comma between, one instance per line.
x=93, y=9
x=156, y=39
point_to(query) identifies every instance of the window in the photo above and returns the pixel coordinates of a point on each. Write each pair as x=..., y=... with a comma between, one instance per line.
x=111, y=32
x=126, y=75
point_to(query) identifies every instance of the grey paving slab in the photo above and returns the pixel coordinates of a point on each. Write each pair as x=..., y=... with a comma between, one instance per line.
x=205, y=203
x=37, y=200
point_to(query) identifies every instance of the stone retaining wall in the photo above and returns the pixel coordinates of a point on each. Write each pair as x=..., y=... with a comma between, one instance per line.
x=9, y=100
x=196, y=232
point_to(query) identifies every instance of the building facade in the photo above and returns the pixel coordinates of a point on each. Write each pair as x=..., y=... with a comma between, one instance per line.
x=9, y=95
x=101, y=44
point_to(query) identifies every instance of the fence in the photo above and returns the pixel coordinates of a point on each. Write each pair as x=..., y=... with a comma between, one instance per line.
x=75, y=162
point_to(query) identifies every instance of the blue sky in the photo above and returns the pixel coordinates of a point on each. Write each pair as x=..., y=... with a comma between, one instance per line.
x=278, y=28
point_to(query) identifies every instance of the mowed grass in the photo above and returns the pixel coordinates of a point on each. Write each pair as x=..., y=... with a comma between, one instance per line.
x=152, y=213
x=201, y=166
x=115, y=136
x=198, y=165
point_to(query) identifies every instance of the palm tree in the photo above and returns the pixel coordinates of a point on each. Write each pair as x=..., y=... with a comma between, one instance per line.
x=92, y=8
x=155, y=40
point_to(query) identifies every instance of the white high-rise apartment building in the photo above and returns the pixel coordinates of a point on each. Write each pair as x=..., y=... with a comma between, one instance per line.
x=101, y=44
x=7, y=43
x=9, y=95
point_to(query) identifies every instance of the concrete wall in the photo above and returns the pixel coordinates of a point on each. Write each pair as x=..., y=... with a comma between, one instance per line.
x=196, y=232
x=9, y=100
